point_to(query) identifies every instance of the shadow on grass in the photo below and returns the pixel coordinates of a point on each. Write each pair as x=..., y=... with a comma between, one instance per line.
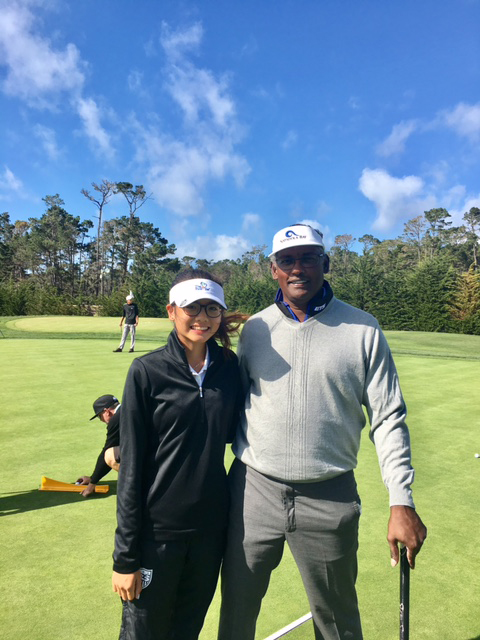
x=12, y=503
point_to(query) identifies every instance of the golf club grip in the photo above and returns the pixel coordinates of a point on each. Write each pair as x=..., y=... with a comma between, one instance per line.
x=404, y=595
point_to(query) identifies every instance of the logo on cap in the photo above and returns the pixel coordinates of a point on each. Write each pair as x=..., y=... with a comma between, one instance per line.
x=291, y=233
x=203, y=286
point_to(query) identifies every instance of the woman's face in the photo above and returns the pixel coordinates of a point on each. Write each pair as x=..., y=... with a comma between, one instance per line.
x=194, y=329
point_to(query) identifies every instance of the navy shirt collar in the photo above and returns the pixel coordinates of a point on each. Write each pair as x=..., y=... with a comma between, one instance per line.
x=318, y=303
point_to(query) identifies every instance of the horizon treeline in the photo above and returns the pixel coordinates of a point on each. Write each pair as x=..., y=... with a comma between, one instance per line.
x=427, y=279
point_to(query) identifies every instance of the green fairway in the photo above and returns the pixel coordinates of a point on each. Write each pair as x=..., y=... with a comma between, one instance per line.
x=56, y=551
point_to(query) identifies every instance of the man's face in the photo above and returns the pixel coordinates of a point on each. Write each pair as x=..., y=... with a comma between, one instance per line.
x=129, y=301
x=299, y=281
x=106, y=415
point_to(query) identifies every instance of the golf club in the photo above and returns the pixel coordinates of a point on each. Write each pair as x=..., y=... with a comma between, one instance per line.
x=404, y=595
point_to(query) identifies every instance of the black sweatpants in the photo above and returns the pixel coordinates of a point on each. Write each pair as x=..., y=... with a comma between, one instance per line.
x=179, y=580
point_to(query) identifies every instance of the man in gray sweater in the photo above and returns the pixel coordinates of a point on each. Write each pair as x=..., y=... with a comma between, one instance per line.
x=310, y=363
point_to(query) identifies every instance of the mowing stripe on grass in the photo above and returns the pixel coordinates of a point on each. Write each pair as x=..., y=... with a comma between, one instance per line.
x=290, y=627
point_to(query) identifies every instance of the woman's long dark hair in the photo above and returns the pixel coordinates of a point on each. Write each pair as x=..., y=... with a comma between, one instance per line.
x=230, y=323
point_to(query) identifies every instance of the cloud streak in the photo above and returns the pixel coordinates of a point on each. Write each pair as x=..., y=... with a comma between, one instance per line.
x=395, y=142
x=464, y=120
x=10, y=184
x=36, y=72
x=179, y=168
x=90, y=115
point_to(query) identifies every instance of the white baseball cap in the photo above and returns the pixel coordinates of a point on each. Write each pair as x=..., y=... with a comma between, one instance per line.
x=297, y=235
x=189, y=291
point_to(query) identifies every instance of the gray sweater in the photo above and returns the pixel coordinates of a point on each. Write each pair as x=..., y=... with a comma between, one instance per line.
x=307, y=385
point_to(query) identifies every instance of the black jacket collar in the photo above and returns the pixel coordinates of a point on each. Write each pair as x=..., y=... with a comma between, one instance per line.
x=177, y=351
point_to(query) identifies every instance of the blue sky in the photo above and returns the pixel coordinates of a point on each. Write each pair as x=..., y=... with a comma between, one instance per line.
x=241, y=117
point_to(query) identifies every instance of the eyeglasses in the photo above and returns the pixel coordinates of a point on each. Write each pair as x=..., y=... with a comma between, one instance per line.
x=286, y=263
x=212, y=310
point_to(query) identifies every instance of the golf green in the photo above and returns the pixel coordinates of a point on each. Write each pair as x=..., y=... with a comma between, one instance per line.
x=56, y=552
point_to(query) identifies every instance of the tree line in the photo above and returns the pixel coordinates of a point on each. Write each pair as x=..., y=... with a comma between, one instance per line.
x=427, y=279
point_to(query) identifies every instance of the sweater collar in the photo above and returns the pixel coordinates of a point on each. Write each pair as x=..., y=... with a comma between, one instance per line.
x=317, y=304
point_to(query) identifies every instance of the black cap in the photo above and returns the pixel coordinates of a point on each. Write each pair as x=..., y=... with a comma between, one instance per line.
x=102, y=403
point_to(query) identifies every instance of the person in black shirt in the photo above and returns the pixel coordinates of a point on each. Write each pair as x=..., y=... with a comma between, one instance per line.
x=130, y=315
x=107, y=408
x=180, y=407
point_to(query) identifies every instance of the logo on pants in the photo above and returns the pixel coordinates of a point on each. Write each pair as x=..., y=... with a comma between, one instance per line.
x=146, y=577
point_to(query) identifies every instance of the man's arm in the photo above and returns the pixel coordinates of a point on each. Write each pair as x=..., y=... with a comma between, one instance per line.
x=387, y=413
x=101, y=470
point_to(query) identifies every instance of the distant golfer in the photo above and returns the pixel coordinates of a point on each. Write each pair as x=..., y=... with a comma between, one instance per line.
x=107, y=408
x=310, y=364
x=130, y=315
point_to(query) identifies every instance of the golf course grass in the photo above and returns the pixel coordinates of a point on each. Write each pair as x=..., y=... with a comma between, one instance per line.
x=56, y=551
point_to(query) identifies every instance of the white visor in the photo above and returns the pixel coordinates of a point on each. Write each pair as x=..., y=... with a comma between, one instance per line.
x=296, y=236
x=190, y=291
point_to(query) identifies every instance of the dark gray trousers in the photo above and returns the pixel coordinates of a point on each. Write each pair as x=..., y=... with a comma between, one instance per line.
x=319, y=521
x=181, y=585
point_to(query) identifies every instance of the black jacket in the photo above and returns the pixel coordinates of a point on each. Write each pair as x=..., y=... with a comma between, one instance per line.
x=113, y=440
x=172, y=480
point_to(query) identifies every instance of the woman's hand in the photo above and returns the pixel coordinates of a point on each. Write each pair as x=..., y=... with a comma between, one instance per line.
x=127, y=585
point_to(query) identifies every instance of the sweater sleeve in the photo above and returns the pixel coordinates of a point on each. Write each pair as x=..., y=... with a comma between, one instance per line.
x=133, y=437
x=388, y=429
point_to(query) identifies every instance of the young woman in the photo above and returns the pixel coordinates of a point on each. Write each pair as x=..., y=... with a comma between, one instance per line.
x=180, y=407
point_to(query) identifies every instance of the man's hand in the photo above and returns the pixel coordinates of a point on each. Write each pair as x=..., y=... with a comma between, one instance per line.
x=83, y=480
x=127, y=585
x=89, y=490
x=405, y=527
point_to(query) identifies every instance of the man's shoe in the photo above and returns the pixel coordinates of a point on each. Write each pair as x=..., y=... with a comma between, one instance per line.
x=131, y=350
x=117, y=350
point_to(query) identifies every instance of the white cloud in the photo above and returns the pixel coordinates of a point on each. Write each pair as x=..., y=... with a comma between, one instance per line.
x=177, y=43
x=394, y=198
x=220, y=247
x=48, y=139
x=90, y=115
x=290, y=139
x=354, y=103
x=395, y=142
x=251, y=221
x=179, y=169
x=463, y=207
x=249, y=48
x=10, y=184
x=135, y=80
x=464, y=119
x=323, y=208
x=200, y=95
x=400, y=199
x=36, y=72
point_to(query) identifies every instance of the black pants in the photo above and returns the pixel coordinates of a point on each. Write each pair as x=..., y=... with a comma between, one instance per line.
x=178, y=591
